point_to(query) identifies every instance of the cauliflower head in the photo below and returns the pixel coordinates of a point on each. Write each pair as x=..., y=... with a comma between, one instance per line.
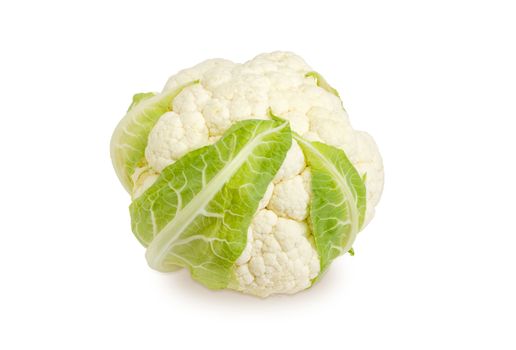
x=250, y=174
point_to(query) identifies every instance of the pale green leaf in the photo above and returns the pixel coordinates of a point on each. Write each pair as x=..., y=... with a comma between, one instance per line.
x=137, y=98
x=321, y=82
x=130, y=136
x=197, y=213
x=338, y=203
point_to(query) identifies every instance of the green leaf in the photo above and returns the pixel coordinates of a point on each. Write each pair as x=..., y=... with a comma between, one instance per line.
x=338, y=202
x=321, y=82
x=137, y=98
x=130, y=136
x=197, y=213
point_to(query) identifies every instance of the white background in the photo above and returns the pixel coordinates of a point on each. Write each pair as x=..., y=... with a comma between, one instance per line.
x=435, y=84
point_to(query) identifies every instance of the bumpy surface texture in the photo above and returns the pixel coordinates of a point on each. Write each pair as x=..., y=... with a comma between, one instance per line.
x=280, y=256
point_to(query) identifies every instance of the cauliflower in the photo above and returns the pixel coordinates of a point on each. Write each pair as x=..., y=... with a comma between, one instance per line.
x=250, y=175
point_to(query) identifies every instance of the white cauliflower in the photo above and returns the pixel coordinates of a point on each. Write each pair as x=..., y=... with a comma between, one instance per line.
x=280, y=255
